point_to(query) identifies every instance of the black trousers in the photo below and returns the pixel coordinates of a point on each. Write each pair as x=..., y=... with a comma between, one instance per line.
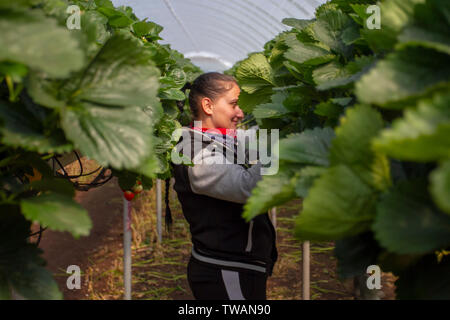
x=213, y=283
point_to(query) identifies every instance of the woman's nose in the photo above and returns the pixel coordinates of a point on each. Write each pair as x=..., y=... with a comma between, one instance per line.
x=240, y=113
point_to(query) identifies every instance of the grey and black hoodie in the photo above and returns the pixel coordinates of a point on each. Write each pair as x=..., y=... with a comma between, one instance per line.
x=212, y=193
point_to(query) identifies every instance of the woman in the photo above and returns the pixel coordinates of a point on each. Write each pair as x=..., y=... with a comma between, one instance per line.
x=231, y=258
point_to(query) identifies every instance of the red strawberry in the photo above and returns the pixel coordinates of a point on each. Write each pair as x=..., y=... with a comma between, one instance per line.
x=128, y=195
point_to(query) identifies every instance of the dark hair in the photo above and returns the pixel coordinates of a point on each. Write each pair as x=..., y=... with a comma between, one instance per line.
x=210, y=85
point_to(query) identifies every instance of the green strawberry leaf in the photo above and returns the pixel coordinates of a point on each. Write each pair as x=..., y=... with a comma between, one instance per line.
x=407, y=223
x=54, y=51
x=58, y=212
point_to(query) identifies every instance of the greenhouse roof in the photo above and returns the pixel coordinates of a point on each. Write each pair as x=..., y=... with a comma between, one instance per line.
x=215, y=34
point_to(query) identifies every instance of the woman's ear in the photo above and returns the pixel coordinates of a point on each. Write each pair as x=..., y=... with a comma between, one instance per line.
x=207, y=106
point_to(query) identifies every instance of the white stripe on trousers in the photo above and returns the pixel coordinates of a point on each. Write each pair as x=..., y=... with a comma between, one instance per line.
x=232, y=285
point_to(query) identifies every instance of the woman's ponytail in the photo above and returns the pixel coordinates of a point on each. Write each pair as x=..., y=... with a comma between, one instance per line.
x=168, y=217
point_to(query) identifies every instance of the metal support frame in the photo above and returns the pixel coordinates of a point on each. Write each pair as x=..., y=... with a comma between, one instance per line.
x=127, y=248
x=306, y=271
x=159, y=210
x=306, y=279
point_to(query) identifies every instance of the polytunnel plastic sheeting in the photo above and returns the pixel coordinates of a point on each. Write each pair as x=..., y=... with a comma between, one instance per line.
x=215, y=34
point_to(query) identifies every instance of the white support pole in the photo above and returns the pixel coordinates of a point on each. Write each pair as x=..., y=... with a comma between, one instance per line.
x=306, y=271
x=158, y=210
x=273, y=214
x=127, y=248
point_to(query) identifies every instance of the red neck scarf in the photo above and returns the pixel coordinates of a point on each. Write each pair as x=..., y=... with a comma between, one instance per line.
x=224, y=131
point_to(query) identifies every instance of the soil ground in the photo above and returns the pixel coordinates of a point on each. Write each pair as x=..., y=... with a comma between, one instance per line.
x=159, y=269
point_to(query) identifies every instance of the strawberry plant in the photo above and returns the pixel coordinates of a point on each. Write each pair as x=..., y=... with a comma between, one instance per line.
x=364, y=141
x=108, y=90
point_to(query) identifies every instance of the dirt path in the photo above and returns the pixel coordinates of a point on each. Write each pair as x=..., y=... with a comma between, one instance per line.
x=104, y=205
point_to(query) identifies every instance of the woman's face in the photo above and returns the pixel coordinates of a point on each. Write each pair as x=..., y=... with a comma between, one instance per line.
x=225, y=110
